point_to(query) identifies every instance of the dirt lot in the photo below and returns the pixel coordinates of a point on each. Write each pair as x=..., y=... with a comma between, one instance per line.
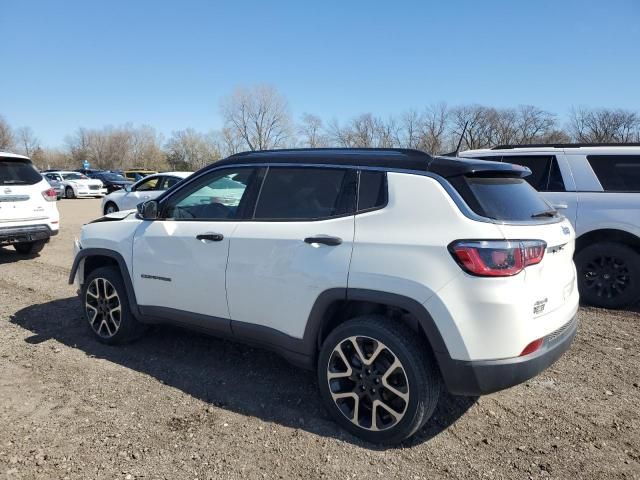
x=182, y=405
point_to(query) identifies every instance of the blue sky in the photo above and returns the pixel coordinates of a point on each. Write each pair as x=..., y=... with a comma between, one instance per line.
x=66, y=64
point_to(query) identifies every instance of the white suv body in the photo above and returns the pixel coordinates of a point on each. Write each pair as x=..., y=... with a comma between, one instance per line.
x=597, y=187
x=147, y=188
x=347, y=260
x=28, y=212
x=77, y=185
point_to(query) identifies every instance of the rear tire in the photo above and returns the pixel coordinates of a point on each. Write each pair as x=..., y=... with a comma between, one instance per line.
x=384, y=390
x=30, y=248
x=608, y=275
x=106, y=307
x=69, y=193
x=110, y=207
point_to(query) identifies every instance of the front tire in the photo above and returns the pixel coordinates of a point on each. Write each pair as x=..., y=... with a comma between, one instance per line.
x=30, y=248
x=110, y=207
x=608, y=275
x=69, y=193
x=106, y=307
x=377, y=379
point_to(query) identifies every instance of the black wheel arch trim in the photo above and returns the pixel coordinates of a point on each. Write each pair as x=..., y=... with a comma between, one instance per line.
x=122, y=265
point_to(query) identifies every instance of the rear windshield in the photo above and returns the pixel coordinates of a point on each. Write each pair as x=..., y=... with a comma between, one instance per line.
x=502, y=198
x=18, y=172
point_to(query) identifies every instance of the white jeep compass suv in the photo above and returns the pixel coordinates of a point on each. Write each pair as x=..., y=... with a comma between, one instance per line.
x=28, y=212
x=597, y=187
x=392, y=273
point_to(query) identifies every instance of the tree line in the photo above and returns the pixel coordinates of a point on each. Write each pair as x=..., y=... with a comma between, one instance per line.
x=258, y=118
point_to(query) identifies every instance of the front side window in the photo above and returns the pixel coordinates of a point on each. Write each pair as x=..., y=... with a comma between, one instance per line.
x=150, y=184
x=617, y=173
x=217, y=196
x=299, y=193
x=169, y=182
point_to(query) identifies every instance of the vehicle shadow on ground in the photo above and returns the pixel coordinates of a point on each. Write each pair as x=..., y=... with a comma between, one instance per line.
x=226, y=374
x=9, y=255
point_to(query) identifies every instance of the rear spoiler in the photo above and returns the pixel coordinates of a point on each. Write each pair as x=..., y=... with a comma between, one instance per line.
x=454, y=166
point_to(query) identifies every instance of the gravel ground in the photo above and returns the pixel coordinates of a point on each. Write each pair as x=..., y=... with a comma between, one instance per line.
x=181, y=405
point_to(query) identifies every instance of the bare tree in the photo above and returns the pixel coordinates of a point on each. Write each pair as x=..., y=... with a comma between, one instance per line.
x=604, y=125
x=27, y=141
x=191, y=150
x=433, y=128
x=311, y=131
x=259, y=116
x=7, y=141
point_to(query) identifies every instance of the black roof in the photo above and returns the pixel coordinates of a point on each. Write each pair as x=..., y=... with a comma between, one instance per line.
x=388, y=158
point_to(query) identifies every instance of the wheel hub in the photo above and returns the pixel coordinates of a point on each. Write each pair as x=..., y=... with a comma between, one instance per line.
x=607, y=276
x=103, y=308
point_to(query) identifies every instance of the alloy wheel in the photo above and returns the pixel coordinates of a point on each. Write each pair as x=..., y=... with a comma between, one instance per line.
x=607, y=276
x=368, y=383
x=103, y=307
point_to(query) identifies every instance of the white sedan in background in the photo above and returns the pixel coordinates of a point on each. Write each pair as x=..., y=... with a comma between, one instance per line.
x=77, y=185
x=145, y=189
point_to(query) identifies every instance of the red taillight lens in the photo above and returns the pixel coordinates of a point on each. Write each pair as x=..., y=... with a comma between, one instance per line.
x=532, y=347
x=50, y=195
x=497, y=258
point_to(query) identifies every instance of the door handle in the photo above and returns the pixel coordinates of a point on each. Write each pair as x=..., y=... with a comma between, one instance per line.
x=323, y=239
x=214, y=237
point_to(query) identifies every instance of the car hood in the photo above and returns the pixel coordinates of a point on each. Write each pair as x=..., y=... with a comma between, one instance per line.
x=85, y=182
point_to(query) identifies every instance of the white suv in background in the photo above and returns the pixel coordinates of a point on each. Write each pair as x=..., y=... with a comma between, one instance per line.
x=77, y=185
x=597, y=187
x=28, y=212
x=389, y=272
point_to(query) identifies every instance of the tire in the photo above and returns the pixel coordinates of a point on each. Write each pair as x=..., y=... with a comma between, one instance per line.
x=109, y=319
x=608, y=275
x=30, y=248
x=417, y=379
x=69, y=193
x=110, y=207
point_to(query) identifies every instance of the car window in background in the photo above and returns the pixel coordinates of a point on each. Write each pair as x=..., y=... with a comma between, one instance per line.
x=169, y=182
x=214, y=197
x=112, y=177
x=74, y=176
x=16, y=172
x=617, y=173
x=545, y=172
x=303, y=194
x=149, y=184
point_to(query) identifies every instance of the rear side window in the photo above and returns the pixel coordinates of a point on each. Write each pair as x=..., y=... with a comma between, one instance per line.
x=18, y=172
x=501, y=198
x=617, y=173
x=545, y=172
x=372, y=190
x=306, y=194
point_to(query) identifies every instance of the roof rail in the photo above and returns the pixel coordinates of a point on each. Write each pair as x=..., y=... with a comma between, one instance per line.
x=565, y=145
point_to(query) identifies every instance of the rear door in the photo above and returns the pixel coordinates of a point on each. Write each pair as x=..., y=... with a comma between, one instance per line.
x=21, y=188
x=297, y=245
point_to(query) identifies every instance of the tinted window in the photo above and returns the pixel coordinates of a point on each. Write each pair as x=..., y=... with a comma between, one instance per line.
x=372, y=190
x=149, y=184
x=17, y=172
x=169, y=182
x=215, y=197
x=617, y=173
x=306, y=193
x=545, y=172
x=501, y=198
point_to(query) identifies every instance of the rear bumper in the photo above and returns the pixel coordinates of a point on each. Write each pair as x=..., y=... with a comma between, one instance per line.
x=488, y=376
x=31, y=233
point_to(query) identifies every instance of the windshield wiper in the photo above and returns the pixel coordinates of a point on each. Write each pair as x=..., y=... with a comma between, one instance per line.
x=546, y=213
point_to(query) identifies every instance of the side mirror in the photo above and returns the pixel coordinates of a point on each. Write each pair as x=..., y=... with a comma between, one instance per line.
x=148, y=210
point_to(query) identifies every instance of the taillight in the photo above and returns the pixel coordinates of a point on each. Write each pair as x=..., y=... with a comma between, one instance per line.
x=50, y=195
x=497, y=258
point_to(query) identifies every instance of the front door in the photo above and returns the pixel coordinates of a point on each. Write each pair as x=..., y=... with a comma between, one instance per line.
x=179, y=260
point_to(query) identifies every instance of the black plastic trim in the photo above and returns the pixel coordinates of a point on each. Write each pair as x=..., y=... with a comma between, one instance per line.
x=124, y=271
x=488, y=376
x=30, y=233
